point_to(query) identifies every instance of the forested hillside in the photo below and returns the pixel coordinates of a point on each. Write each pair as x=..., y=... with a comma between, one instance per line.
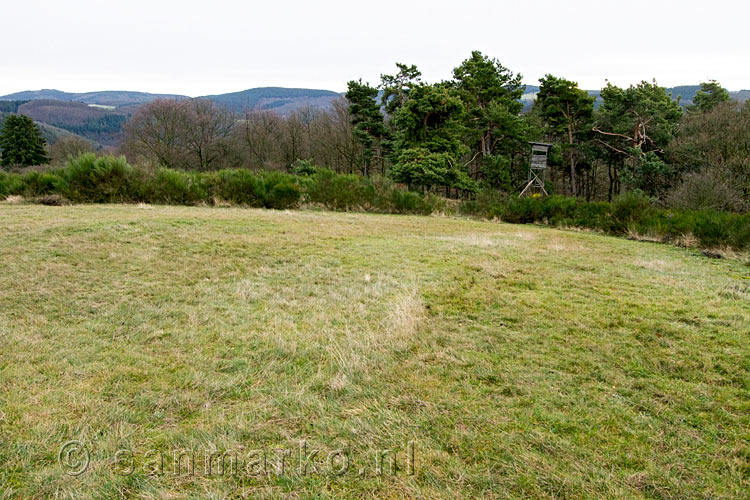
x=50, y=133
x=281, y=100
x=99, y=116
x=105, y=98
x=96, y=124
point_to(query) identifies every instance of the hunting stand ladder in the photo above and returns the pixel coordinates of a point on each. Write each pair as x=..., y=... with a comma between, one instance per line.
x=537, y=169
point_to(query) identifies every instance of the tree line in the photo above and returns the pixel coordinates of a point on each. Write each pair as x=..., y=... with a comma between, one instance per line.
x=470, y=134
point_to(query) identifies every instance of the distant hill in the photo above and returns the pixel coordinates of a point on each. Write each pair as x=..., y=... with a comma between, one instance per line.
x=53, y=134
x=97, y=124
x=279, y=99
x=100, y=116
x=50, y=133
x=115, y=98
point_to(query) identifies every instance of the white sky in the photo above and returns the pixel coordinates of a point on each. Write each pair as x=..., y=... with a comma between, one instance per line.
x=198, y=48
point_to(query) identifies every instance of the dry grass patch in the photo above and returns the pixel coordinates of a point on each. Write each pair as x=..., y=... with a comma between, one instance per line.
x=406, y=315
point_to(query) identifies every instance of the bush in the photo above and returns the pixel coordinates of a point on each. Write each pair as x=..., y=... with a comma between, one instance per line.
x=707, y=190
x=267, y=189
x=628, y=210
x=92, y=179
x=739, y=232
x=339, y=191
x=593, y=215
x=283, y=195
x=488, y=202
x=240, y=186
x=523, y=210
x=41, y=183
x=177, y=188
x=409, y=202
x=7, y=185
x=712, y=229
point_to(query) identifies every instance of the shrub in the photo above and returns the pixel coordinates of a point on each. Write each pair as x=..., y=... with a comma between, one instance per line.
x=707, y=190
x=88, y=178
x=712, y=229
x=338, y=191
x=7, y=184
x=740, y=232
x=592, y=215
x=278, y=190
x=679, y=223
x=523, y=210
x=409, y=202
x=303, y=167
x=93, y=179
x=266, y=189
x=282, y=195
x=558, y=209
x=41, y=183
x=627, y=210
x=488, y=203
x=178, y=188
x=240, y=186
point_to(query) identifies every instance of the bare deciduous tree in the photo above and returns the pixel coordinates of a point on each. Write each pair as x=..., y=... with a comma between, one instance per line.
x=68, y=147
x=197, y=135
x=187, y=134
x=261, y=133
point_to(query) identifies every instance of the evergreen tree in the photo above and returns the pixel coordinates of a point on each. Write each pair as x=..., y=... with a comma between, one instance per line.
x=637, y=124
x=368, y=121
x=21, y=143
x=710, y=94
x=494, y=130
x=488, y=89
x=396, y=87
x=567, y=111
x=429, y=129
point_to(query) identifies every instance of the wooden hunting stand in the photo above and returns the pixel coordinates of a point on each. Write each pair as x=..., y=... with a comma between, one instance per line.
x=537, y=169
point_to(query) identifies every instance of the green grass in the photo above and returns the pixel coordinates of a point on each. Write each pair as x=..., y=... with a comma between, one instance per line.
x=523, y=362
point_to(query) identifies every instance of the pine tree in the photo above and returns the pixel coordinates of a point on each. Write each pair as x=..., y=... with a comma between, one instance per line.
x=568, y=112
x=368, y=121
x=637, y=124
x=21, y=143
x=428, y=146
x=710, y=94
x=493, y=128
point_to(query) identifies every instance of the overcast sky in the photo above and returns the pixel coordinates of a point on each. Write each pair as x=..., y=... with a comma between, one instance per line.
x=208, y=47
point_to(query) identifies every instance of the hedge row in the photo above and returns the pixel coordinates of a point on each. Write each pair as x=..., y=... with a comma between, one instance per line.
x=107, y=179
x=631, y=213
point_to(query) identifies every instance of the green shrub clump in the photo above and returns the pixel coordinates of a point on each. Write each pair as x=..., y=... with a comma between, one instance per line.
x=97, y=179
x=89, y=178
x=629, y=213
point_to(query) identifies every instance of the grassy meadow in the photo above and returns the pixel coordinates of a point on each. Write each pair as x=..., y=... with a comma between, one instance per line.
x=486, y=360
